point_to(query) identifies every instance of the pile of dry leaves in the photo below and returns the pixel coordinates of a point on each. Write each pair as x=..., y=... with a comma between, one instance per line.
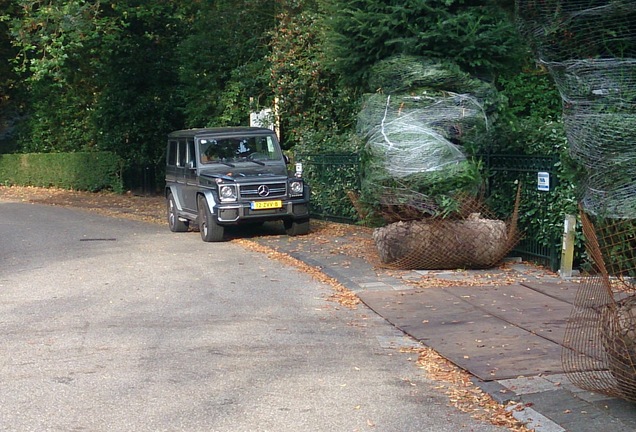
x=462, y=393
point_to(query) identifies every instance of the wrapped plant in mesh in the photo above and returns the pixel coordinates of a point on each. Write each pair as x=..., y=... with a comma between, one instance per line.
x=406, y=74
x=423, y=184
x=414, y=136
x=619, y=341
x=589, y=47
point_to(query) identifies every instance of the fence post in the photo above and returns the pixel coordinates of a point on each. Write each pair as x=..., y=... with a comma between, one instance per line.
x=567, y=252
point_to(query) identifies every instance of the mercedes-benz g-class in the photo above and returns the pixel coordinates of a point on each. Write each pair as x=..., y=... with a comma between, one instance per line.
x=217, y=177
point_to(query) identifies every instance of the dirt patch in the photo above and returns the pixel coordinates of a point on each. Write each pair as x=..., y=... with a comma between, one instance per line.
x=142, y=208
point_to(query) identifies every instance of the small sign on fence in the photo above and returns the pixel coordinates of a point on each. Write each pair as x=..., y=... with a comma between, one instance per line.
x=543, y=181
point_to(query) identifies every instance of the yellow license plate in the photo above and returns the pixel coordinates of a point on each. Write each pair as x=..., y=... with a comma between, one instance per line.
x=263, y=205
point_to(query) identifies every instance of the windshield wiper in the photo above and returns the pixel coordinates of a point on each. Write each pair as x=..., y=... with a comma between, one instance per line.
x=261, y=163
x=225, y=163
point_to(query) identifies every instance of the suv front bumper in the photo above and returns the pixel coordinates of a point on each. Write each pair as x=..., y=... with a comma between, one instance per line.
x=238, y=212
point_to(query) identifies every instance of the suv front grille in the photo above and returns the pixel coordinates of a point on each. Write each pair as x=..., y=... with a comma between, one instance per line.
x=276, y=190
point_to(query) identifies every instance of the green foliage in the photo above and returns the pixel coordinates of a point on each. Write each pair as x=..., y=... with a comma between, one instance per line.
x=617, y=242
x=221, y=62
x=244, y=92
x=527, y=118
x=331, y=178
x=9, y=96
x=407, y=73
x=58, y=39
x=98, y=76
x=528, y=122
x=524, y=135
x=59, y=120
x=477, y=35
x=541, y=214
x=91, y=171
x=435, y=193
x=56, y=47
x=329, y=142
x=137, y=104
x=331, y=167
x=462, y=178
x=309, y=96
x=530, y=93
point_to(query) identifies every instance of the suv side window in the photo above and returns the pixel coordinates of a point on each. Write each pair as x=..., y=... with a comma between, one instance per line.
x=191, y=157
x=182, y=154
x=172, y=153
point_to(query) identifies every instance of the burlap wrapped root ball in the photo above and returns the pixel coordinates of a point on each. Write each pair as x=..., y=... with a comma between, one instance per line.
x=442, y=244
x=619, y=340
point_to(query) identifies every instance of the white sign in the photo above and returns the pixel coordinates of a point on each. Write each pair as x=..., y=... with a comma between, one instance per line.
x=543, y=181
x=264, y=118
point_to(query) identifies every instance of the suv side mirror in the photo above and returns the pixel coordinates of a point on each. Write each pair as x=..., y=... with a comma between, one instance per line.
x=286, y=159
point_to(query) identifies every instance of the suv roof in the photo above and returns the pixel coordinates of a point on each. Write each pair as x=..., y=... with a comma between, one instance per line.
x=187, y=133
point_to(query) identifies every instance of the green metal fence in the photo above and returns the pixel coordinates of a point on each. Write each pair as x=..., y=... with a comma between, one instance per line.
x=505, y=173
x=332, y=176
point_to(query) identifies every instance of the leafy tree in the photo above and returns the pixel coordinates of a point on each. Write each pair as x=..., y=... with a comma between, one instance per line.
x=138, y=103
x=315, y=108
x=222, y=61
x=55, y=38
x=100, y=75
x=59, y=45
x=9, y=95
x=478, y=35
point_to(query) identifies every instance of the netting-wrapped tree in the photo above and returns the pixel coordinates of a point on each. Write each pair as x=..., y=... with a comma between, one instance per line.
x=416, y=170
x=590, y=49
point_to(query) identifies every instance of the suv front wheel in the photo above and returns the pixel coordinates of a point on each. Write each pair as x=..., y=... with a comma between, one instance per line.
x=296, y=227
x=209, y=229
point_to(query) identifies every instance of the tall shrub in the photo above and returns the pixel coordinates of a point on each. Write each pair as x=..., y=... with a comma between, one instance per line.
x=137, y=103
x=222, y=61
x=478, y=35
x=315, y=108
x=57, y=47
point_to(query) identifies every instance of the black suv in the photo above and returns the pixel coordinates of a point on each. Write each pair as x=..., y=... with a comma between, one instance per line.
x=230, y=176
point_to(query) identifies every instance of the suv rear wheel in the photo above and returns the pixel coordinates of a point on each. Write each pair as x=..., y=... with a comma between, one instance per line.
x=209, y=229
x=174, y=223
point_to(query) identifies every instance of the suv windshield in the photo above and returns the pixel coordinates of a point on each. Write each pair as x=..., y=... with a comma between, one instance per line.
x=239, y=148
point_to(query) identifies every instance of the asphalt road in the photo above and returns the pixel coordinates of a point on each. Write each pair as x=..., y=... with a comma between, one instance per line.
x=114, y=325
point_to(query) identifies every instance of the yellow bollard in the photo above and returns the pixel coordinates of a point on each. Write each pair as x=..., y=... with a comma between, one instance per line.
x=567, y=252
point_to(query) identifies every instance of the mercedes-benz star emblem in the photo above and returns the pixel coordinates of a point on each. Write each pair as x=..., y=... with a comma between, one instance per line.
x=263, y=191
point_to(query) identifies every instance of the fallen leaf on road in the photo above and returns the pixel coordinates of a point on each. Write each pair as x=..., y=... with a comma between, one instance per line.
x=341, y=295
x=462, y=393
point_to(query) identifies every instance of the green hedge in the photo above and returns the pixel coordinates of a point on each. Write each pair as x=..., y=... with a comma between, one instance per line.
x=91, y=171
x=331, y=177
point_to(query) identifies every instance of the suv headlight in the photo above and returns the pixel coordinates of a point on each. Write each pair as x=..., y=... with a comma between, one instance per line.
x=296, y=188
x=227, y=192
